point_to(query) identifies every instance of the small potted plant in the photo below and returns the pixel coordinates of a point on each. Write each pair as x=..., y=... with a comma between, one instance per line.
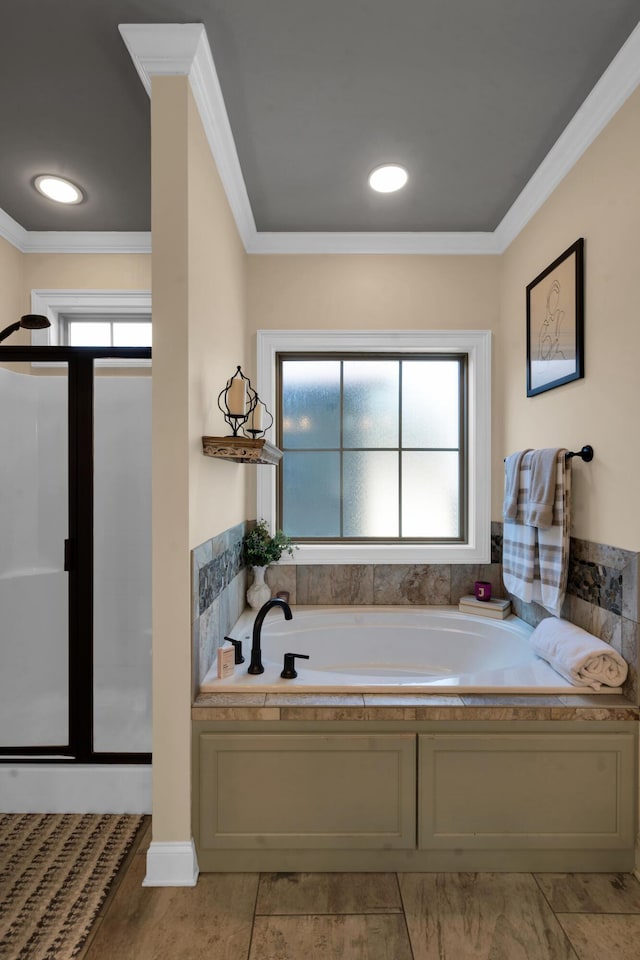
x=260, y=550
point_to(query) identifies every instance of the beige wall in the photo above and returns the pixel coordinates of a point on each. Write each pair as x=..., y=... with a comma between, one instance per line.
x=12, y=300
x=170, y=516
x=199, y=335
x=600, y=201
x=20, y=273
x=372, y=292
x=217, y=338
x=99, y=271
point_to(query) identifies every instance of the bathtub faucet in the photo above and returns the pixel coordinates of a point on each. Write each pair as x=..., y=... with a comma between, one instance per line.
x=256, y=653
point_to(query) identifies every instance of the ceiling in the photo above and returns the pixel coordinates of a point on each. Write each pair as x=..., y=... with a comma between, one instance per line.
x=470, y=96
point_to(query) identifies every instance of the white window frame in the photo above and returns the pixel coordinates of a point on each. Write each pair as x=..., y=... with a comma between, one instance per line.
x=55, y=304
x=476, y=344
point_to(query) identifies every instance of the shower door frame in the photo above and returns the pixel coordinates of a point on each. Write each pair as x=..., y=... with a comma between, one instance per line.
x=78, y=554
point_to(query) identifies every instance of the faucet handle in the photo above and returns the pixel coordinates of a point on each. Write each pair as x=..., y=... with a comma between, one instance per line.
x=289, y=671
x=237, y=644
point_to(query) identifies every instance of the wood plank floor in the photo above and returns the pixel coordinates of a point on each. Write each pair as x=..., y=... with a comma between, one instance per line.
x=369, y=916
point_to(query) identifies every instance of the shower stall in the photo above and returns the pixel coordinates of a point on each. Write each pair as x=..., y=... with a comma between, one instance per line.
x=75, y=575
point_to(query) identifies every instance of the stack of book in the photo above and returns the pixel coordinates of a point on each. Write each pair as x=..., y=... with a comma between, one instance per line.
x=498, y=609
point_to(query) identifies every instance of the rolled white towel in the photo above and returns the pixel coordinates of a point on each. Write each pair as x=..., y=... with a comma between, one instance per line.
x=577, y=655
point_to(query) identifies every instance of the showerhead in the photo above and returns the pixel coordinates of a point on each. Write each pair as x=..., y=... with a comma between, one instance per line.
x=34, y=321
x=30, y=321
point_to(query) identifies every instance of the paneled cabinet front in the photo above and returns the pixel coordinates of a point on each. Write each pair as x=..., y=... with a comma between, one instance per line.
x=278, y=791
x=527, y=791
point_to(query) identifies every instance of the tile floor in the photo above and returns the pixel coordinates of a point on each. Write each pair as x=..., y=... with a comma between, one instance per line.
x=369, y=916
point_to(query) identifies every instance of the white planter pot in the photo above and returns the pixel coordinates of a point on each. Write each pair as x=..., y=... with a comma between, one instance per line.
x=259, y=592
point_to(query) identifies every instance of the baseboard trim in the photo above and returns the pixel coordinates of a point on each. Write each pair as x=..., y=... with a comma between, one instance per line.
x=172, y=865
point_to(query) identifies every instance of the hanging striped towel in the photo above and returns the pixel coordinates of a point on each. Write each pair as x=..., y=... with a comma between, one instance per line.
x=535, y=560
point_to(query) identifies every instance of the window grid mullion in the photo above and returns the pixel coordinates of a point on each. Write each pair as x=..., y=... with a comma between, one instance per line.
x=342, y=448
x=400, y=448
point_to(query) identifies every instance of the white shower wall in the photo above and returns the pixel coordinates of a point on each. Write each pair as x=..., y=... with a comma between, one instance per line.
x=33, y=585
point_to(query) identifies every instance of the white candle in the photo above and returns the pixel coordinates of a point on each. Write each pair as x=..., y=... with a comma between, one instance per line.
x=256, y=418
x=236, y=397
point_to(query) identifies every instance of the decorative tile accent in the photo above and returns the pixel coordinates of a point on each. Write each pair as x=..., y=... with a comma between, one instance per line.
x=596, y=583
x=403, y=583
x=496, y=542
x=631, y=653
x=631, y=589
x=218, y=587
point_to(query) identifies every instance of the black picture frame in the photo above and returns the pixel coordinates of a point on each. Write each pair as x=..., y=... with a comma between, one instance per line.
x=555, y=323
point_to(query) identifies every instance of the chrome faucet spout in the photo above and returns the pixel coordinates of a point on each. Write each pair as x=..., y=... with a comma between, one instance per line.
x=256, y=652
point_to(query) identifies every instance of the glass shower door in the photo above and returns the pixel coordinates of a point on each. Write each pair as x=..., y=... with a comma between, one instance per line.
x=34, y=620
x=122, y=563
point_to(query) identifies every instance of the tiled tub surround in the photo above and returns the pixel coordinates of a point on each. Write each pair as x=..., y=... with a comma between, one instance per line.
x=602, y=592
x=218, y=589
x=273, y=746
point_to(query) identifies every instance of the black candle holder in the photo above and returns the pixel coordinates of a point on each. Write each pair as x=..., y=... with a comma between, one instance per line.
x=254, y=410
x=265, y=419
x=237, y=420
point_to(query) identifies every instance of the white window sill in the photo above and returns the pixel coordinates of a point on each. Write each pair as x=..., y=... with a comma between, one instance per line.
x=381, y=553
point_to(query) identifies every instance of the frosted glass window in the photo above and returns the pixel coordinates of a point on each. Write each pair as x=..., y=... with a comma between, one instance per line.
x=131, y=334
x=371, y=494
x=373, y=447
x=107, y=333
x=311, y=494
x=311, y=404
x=430, y=404
x=430, y=494
x=371, y=403
x=89, y=334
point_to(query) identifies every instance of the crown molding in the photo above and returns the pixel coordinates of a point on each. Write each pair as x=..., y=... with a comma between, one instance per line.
x=382, y=243
x=78, y=241
x=183, y=50
x=11, y=231
x=616, y=84
x=166, y=49
x=71, y=241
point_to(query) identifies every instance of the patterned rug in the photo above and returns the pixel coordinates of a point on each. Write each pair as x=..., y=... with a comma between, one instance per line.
x=55, y=872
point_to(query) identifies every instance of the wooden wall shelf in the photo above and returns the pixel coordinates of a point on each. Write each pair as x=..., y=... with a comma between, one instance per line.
x=241, y=450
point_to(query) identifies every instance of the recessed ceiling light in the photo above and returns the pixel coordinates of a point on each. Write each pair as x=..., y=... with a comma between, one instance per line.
x=58, y=189
x=388, y=178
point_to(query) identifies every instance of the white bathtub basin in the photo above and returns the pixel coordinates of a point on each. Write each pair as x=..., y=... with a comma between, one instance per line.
x=393, y=650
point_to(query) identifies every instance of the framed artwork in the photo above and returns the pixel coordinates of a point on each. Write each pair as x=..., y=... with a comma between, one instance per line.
x=555, y=323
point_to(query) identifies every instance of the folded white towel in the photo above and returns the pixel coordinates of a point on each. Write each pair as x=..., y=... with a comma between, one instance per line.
x=577, y=655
